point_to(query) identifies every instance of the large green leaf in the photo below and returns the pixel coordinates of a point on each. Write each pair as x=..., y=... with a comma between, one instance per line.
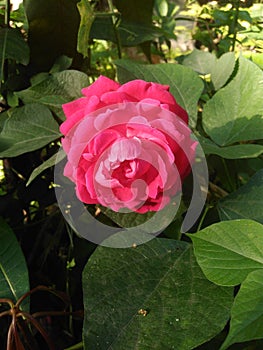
x=247, y=311
x=234, y=113
x=230, y=152
x=246, y=202
x=129, y=33
x=207, y=63
x=231, y=253
x=153, y=296
x=12, y=46
x=184, y=83
x=14, y=280
x=56, y=89
x=228, y=251
x=26, y=129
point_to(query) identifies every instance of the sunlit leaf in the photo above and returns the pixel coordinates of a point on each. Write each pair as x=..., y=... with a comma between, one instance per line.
x=206, y=63
x=231, y=152
x=185, y=85
x=86, y=19
x=228, y=251
x=235, y=112
x=247, y=311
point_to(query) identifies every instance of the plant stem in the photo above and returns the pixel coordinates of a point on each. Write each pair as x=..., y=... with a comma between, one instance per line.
x=7, y=13
x=41, y=330
x=115, y=28
x=203, y=217
x=236, y=6
x=76, y=346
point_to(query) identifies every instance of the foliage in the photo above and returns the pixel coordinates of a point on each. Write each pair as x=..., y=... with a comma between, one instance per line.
x=200, y=290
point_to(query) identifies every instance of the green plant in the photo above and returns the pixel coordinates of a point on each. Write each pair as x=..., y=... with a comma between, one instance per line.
x=194, y=290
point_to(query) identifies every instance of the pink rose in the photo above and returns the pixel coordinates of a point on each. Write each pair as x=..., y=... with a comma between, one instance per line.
x=128, y=146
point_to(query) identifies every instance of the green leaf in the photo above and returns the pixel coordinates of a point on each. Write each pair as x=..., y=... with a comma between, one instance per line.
x=130, y=33
x=162, y=7
x=185, y=85
x=127, y=219
x=86, y=19
x=228, y=251
x=14, y=280
x=62, y=63
x=56, y=158
x=246, y=202
x=136, y=25
x=230, y=152
x=207, y=63
x=26, y=129
x=56, y=89
x=103, y=28
x=247, y=311
x=153, y=296
x=149, y=222
x=12, y=46
x=234, y=113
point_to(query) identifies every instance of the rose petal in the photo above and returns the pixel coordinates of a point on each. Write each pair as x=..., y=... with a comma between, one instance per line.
x=100, y=86
x=125, y=149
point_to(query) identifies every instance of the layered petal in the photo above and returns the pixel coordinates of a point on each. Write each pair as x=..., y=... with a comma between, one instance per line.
x=128, y=146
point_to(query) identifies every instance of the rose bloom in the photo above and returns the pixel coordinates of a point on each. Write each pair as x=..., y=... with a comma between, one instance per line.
x=128, y=146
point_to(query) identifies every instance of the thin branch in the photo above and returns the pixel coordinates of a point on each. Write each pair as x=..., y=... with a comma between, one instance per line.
x=40, y=329
x=9, y=345
x=7, y=13
x=237, y=4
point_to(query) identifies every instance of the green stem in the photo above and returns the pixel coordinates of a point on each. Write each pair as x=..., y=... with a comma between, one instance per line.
x=69, y=257
x=76, y=346
x=115, y=28
x=236, y=6
x=7, y=13
x=203, y=217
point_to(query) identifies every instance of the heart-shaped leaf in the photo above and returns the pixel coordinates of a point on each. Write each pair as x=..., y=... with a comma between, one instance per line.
x=207, y=63
x=153, y=296
x=247, y=311
x=231, y=152
x=235, y=112
x=228, y=251
x=185, y=85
